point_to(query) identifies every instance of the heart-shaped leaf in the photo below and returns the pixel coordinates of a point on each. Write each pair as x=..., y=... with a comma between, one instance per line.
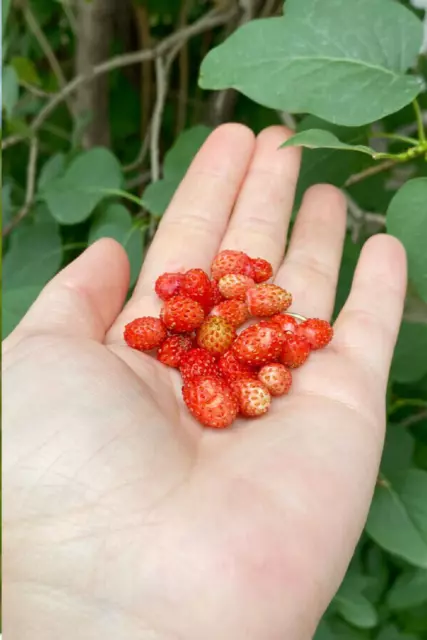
x=72, y=197
x=407, y=220
x=341, y=60
x=397, y=519
x=321, y=139
x=116, y=222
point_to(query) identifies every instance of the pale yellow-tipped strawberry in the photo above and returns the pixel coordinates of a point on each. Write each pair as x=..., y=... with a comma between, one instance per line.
x=253, y=397
x=276, y=377
x=267, y=300
x=235, y=286
x=215, y=335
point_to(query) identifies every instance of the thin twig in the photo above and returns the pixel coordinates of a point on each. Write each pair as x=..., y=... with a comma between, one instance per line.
x=209, y=21
x=419, y=119
x=43, y=42
x=39, y=93
x=370, y=171
x=146, y=142
x=411, y=420
x=157, y=119
x=72, y=20
x=161, y=89
x=30, y=189
x=183, y=72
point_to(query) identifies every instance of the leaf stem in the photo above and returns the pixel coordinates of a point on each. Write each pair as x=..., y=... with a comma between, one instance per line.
x=394, y=136
x=420, y=123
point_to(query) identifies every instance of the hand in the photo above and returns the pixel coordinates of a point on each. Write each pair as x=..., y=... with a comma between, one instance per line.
x=126, y=520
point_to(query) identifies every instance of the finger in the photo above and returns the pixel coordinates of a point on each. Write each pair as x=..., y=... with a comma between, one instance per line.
x=367, y=327
x=311, y=266
x=261, y=216
x=191, y=230
x=84, y=298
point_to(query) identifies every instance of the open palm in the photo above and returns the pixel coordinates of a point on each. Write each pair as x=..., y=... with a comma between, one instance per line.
x=123, y=517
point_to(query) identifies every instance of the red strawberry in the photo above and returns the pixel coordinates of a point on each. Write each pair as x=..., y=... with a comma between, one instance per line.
x=211, y=401
x=253, y=396
x=181, y=314
x=198, y=362
x=145, y=333
x=258, y=344
x=216, y=297
x=235, y=285
x=235, y=311
x=232, y=369
x=168, y=285
x=229, y=261
x=285, y=322
x=215, y=335
x=197, y=286
x=318, y=332
x=276, y=377
x=262, y=270
x=173, y=348
x=296, y=350
x=267, y=300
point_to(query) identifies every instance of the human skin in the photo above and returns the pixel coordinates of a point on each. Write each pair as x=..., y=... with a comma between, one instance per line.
x=123, y=518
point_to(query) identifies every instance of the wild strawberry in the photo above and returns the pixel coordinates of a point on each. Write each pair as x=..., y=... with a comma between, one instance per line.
x=229, y=261
x=262, y=270
x=258, y=344
x=318, y=332
x=198, y=362
x=145, y=333
x=253, y=396
x=232, y=369
x=197, y=286
x=234, y=311
x=168, y=285
x=216, y=297
x=235, y=285
x=267, y=300
x=215, y=335
x=173, y=348
x=211, y=401
x=181, y=314
x=295, y=351
x=286, y=322
x=276, y=377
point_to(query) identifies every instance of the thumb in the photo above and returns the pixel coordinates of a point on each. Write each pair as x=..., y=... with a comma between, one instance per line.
x=83, y=299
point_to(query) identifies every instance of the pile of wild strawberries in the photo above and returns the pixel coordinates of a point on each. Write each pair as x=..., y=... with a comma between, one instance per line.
x=225, y=373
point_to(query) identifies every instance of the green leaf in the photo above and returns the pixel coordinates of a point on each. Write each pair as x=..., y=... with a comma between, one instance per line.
x=52, y=169
x=15, y=304
x=329, y=165
x=407, y=220
x=10, y=90
x=397, y=519
x=350, y=257
x=72, y=197
x=341, y=60
x=157, y=195
x=410, y=362
x=116, y=222
x=35, y=252
x=398, y=451
x=34, y=256
x=409, y=590
x=353, y=605
x=320, y=139
x=5, y=8
x=6, y=203
x=25, y=70
x=390, y=632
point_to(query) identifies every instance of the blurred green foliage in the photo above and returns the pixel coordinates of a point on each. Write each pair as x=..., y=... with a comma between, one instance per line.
x=58, y=196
